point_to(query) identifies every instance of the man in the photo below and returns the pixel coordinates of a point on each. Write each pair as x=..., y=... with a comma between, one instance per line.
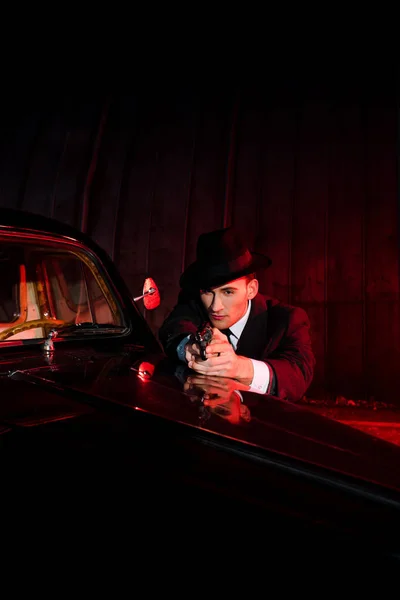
x=256, y=339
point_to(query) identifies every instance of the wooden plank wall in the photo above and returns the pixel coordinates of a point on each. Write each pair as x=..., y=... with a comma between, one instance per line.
x=308, y=174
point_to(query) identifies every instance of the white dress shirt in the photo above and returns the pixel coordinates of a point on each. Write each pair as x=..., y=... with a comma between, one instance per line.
x=261, y=371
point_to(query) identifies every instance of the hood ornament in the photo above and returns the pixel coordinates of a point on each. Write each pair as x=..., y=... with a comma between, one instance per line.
x=48, y=346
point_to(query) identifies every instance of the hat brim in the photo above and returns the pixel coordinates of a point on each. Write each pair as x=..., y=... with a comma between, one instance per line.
x=197, y=277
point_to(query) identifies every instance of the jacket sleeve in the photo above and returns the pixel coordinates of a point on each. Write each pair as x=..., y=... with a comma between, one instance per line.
x=292, y=361
x=184, y=319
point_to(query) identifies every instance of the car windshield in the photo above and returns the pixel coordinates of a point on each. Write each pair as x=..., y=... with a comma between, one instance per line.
x=47, y=285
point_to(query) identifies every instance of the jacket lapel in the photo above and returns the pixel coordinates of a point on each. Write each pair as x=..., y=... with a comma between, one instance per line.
x=253, y=340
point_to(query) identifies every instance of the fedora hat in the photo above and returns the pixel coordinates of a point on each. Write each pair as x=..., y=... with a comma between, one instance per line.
x=221, y=256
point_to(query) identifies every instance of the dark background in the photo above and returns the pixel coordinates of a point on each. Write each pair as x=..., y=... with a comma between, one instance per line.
x=306, y=166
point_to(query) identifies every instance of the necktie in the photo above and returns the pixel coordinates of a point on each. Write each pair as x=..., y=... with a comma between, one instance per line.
x=228, y=334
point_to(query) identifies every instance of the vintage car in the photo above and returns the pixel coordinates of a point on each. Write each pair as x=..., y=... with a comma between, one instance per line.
x=94, y=417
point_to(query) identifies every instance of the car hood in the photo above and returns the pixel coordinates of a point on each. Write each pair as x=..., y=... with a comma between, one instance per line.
x=77, y=381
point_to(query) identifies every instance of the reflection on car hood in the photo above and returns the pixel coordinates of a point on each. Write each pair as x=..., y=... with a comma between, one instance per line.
x=261, y=423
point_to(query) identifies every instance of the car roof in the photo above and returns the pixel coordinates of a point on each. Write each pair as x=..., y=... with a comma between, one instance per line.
x=21, y=219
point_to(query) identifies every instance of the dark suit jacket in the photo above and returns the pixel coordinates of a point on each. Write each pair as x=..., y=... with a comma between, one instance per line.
x=275, y=333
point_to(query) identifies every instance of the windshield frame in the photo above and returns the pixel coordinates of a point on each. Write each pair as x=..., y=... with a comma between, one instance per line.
x=88, y=258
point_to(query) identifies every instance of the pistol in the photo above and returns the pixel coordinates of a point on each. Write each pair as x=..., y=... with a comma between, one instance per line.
x=203, y=337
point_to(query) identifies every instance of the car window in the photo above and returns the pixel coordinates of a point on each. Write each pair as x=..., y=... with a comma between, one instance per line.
x=73, y=291
x=52, y=285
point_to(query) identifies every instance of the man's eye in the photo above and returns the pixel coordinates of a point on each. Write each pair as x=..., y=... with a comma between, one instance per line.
x=229, y=292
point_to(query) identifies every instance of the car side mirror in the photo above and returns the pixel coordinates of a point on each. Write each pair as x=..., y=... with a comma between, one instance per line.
x=150, y=295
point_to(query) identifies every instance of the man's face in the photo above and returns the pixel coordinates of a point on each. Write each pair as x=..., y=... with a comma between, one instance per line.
x=227, y=304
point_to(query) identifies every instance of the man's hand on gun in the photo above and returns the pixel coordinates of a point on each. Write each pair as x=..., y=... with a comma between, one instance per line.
x=196, y=348
x=209, y=352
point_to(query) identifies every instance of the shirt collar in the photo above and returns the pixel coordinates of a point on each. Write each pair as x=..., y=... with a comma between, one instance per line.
x=237, y=328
